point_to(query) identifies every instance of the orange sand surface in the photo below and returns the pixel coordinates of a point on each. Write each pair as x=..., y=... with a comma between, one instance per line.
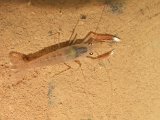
x=127, y=87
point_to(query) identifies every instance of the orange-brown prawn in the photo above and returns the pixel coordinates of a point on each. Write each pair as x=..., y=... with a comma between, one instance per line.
x=67, y=52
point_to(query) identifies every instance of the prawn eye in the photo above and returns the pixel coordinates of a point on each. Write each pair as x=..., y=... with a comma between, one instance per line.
x=91, y=53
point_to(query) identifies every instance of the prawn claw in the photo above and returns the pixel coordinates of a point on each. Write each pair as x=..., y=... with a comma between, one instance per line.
x=116, y=39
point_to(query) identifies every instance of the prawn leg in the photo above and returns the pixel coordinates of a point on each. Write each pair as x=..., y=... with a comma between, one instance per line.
x=68, y=67
x=100, y=37
x=105, y=55
x=78, y=62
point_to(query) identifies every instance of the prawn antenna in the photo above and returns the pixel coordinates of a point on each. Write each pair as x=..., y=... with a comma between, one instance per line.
x=100, y=18
x=71, y=41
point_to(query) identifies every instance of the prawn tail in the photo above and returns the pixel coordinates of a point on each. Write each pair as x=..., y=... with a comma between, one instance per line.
x=17, y=59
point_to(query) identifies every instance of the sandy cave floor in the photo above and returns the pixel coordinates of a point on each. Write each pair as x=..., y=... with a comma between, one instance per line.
x=127, y=87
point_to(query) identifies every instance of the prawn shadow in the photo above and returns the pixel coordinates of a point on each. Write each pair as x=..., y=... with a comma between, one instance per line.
x=50, y=94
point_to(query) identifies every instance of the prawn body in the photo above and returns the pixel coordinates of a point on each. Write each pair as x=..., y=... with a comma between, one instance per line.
x=68, y=52
x=62, y=55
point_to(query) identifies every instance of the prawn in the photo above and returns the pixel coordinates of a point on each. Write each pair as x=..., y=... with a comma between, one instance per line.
x=69, y=50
